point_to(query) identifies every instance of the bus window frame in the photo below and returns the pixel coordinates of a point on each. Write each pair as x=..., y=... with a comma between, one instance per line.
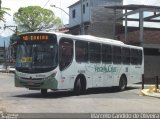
x=116, y=55
x=108, y=54
x=95, y=52
x=65, y=66
x=76, y=58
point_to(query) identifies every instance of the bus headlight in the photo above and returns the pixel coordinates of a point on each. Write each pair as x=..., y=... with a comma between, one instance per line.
x=52, y=76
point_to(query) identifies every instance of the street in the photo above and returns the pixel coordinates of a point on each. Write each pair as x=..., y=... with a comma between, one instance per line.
x=106, y=100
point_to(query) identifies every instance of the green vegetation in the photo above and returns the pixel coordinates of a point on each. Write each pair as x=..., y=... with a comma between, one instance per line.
x=30, y=19
x=35, y=18
x=3, y=11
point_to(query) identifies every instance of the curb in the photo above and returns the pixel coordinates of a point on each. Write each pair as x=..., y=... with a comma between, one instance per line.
x=151, y=91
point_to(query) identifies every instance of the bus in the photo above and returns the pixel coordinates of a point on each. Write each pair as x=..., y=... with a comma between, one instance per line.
x=57, y=61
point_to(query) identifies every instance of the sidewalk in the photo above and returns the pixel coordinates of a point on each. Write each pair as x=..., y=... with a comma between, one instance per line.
x=149, y=87
x=150, y=91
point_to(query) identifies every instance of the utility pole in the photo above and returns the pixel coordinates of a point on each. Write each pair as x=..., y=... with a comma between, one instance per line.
x=82, y=25
x=10, y=26
x=76, y=21
x=5, y=59
x=81, y=12
x=0, y=4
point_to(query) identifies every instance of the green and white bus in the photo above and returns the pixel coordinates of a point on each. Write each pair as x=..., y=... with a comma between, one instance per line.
x=56, y=61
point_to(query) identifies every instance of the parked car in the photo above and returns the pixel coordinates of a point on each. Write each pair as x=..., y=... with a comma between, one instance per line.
x=10, y=69
x=2, y=68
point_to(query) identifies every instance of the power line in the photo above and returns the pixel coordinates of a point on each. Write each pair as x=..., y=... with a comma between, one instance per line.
x=46, y=3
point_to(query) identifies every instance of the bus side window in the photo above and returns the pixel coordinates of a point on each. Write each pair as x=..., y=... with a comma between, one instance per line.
x=81, y=51
x=126, y=55
x=95, y=52
x=65, y=53
x=135, y=56
x=106, y=54
x=117, y=55
x=139, y=57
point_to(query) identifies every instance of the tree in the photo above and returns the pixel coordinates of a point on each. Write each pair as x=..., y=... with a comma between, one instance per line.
x=35, y=18
x=3, y=11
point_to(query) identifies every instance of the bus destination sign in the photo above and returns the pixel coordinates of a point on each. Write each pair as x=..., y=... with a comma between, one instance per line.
x=34, y=37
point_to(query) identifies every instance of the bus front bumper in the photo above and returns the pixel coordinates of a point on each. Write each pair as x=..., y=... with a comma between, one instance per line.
x=43, y=83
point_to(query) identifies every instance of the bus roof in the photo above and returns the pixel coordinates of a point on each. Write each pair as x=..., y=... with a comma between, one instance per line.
x=83, y=37
x=94, y=38
x=98, y=40
x=89, y=38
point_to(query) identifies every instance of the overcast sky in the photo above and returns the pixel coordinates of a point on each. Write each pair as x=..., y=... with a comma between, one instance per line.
x=14, y=5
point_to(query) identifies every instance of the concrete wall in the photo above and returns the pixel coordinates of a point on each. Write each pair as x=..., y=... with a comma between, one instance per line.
x=102, y=22
x=101, y=14
x=105, y=2
x=100, y=29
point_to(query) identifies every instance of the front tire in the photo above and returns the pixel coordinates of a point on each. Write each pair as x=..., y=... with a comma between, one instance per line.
x=78, y=87
x=123, y=83
x=44, y=91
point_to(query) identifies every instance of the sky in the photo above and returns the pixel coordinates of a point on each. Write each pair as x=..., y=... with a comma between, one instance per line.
x=14, y=5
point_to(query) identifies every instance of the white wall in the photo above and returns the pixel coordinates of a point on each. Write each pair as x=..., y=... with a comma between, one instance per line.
x=77, y=20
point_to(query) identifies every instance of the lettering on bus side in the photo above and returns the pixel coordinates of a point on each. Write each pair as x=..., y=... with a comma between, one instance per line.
x=105, y=69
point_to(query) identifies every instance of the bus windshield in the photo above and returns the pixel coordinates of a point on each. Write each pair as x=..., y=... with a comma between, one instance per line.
x=36, y=57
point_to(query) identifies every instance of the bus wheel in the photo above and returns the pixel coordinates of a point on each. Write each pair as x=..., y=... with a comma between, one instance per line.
x=44, y=91
x=122, y=83
x=78, y=87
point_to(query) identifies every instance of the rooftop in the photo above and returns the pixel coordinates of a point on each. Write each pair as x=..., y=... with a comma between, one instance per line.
x=132, y=7
x=74, y=4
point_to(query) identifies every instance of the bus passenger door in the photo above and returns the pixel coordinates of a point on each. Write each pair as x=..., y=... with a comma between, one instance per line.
x=66, y=63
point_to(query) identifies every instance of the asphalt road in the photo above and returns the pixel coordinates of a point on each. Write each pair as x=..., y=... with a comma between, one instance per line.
x=104, y=100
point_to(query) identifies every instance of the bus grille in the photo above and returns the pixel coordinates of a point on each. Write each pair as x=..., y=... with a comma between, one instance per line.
x=37, y=79
x=31, y=85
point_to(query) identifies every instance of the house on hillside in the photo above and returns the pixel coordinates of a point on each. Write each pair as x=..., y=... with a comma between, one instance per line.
x=96, y=20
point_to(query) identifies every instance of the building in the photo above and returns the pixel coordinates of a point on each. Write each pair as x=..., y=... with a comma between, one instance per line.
x=6, y=56
x=107, y=22
x=93, y=17
x=151, y=44
x=2, y=55
x=64, y=29
x=148, y=38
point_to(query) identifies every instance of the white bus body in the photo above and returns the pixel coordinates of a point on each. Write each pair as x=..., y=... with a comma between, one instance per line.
x=82, y=62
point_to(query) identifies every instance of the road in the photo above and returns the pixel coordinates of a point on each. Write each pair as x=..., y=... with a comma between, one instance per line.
x=106, y=100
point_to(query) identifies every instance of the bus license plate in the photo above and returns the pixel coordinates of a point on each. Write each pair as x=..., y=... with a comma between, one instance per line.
x=30, y=83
